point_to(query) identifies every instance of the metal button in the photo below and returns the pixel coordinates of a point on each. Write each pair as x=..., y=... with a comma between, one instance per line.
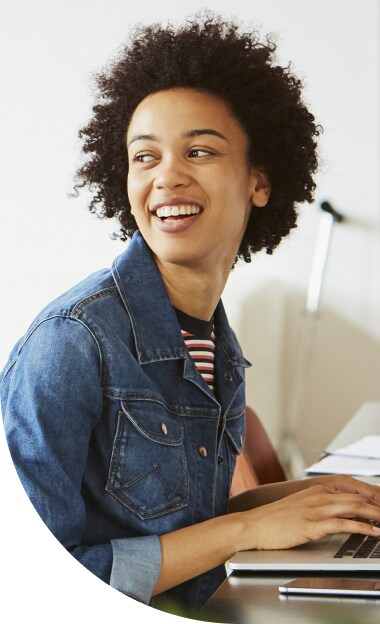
x=228, y=376
x=197, y=369
x=164, y=429
x=220, y=459
x=202, y=451
x=241, y=440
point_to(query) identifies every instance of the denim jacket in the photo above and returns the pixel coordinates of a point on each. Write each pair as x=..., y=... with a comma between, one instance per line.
x=115, y=435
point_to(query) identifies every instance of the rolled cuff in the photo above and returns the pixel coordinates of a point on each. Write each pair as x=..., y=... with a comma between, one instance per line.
x=136, y=566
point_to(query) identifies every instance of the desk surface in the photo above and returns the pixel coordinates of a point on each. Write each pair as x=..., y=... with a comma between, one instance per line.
x=253, y=598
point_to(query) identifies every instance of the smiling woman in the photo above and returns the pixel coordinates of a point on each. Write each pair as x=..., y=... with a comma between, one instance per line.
x=123, y=403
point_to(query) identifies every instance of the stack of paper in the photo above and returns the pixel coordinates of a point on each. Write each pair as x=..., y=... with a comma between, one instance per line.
x=360, y=458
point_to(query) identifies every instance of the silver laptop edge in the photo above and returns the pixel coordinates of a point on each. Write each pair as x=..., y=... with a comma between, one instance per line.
x=318, y=555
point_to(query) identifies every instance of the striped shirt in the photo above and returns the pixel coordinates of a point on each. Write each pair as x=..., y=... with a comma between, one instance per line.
x=202, y=351
x=199, y=337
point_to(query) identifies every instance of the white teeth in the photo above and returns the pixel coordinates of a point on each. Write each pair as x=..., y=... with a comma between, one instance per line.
x=176, y=211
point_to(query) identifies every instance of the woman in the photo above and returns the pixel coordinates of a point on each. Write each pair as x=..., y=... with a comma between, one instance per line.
x=123, y=434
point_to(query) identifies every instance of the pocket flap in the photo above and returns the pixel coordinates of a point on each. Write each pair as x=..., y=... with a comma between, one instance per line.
x=154, y=421
x=235, y=432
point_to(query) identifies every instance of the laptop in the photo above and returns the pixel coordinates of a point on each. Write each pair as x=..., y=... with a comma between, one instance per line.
x=335, y=553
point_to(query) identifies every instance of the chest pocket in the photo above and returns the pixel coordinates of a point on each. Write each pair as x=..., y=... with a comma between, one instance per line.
x=148, y=470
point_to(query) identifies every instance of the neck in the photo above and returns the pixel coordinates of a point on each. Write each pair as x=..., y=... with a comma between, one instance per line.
x=195, y=292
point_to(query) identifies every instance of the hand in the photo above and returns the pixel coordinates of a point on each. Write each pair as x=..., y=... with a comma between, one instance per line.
x=312, y=514
x=271, y=492
x=344, y=483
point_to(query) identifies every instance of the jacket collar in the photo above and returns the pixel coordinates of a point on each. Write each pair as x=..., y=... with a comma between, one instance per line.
x=154, y=322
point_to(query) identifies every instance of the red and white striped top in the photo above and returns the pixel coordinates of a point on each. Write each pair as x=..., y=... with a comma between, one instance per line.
x=202, y=351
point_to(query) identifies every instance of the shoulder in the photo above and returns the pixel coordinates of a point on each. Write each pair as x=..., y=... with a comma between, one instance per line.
x=96, y=286
x=64, y=325
x=92, y=298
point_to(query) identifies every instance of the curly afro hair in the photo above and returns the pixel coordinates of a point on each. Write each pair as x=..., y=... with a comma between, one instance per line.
x=209, y=53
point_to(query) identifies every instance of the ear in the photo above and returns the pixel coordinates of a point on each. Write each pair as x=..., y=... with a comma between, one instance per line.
x=260, y=187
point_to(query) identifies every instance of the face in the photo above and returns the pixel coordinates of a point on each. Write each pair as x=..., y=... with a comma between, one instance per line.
x=189, y=184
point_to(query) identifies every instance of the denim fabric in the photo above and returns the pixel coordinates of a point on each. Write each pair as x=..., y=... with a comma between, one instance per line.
x=104, y=415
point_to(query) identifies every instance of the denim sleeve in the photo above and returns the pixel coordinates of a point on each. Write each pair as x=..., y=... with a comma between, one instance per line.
x=51, y=401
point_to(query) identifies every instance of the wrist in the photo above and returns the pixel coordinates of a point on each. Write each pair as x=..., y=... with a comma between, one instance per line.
x=244, y=530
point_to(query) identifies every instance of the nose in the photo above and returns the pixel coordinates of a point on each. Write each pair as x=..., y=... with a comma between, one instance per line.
x=171, y=173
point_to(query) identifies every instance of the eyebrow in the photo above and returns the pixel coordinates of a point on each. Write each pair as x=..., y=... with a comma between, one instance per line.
x=187, y=135
x=200, y=131
x=142, y=137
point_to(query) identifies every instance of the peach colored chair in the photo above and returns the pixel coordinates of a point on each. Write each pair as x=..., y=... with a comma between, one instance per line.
x=258, y=464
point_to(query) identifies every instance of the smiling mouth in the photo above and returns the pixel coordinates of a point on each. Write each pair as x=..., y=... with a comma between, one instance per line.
x=179, y=211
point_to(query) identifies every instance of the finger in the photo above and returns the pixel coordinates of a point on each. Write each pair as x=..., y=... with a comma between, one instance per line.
x=318, y=496
x=372, y=491
x=347, y=507
x=346, y=483
x=348, y=525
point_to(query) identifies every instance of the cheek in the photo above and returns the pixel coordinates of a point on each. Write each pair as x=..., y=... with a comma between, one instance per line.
x=131, y=184
x=132, y=197
x=135, y=191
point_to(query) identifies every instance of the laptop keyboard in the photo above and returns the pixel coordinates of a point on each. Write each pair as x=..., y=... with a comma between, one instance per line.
x=360, y=546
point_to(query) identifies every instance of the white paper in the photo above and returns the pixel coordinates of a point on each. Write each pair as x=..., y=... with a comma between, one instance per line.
x=333, y=464
x=368, y=447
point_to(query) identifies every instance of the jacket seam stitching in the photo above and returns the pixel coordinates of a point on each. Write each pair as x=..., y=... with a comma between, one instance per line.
x=44, y=320
x=104, y=292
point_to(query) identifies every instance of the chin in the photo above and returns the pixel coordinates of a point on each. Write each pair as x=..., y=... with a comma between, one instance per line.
x=179, y=258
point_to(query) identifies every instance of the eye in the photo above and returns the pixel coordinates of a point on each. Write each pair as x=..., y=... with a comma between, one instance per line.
x=196, y=152
x=143, y=158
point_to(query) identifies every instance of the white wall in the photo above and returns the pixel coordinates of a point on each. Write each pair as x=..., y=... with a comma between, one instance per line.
x=49, y=49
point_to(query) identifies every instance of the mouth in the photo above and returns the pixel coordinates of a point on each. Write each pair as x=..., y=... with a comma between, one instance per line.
x=176, y=211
